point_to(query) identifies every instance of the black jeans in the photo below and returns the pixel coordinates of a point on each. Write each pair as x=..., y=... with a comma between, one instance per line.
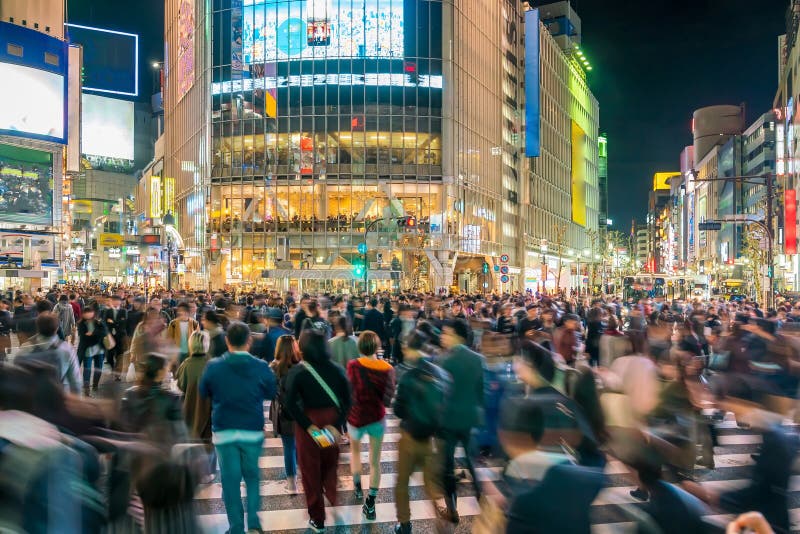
x=448, y=441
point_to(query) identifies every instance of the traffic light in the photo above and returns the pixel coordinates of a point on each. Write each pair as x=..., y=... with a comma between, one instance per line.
x=485, y=268
x=358, y=269
x=407, y=223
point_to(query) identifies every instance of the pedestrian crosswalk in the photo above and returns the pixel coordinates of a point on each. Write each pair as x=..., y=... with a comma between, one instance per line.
x=285, y=513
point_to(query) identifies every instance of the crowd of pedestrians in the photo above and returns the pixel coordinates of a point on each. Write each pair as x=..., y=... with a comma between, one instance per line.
x=552, y=387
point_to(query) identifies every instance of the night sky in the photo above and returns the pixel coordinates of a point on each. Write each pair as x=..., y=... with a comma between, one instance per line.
x=655, y=61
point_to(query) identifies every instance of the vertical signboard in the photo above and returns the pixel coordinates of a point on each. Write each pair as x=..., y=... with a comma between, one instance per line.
x=155, y=196
x=578, y=175
x=532, y=145
x=185, y=47
x=790, y=222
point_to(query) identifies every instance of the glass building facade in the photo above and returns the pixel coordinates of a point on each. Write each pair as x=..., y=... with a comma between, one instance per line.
x=298, y=129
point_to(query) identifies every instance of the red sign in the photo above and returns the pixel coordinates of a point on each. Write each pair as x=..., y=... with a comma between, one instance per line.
x=790, y=221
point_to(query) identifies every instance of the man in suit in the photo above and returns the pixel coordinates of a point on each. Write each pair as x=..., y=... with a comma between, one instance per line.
x=464, y=405
x=115, y=318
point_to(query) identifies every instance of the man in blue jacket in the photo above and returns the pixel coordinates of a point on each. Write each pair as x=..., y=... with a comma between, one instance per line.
x=238, y=384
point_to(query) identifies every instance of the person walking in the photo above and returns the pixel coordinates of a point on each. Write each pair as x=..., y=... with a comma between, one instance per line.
x=373, y=385
x=91, y=333
x=66, y=318
x=115, y=319
x=196, y=409
x=180, y=329
x=265, y=347
x=46, y=347
x=318, y=399
x=464, y=407
x=213, y=325
x=6, y=327
x=237, y=385
x=343, y=344
x=287, y=355
x=422, y=390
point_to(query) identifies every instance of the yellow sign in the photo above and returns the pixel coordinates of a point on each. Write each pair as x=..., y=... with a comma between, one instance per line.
x=110, y=240
x=169, y=195
x=155, y=196
x=661, y=180
x=81, y=206
x=578, y=175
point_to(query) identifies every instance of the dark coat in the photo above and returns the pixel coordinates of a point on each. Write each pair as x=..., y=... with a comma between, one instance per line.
x=464, y=407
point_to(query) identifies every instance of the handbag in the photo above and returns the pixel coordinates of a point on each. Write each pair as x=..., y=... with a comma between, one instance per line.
x=109, y=342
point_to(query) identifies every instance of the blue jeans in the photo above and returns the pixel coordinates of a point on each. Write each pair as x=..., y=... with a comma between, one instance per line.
x=289, y=455
x=87, y=368
x=239, y=460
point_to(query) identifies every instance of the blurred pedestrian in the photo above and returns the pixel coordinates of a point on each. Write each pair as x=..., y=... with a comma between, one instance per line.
x=287, y=355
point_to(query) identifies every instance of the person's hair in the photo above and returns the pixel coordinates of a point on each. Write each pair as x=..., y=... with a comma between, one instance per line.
x=313, y=306
x=523, y=415
x=212, y=317
x=459, y=327
x=342, y=324
x=199, y=342
x=417, y=340
x=540, y=359
x=63, y=298
x=287, y=354
x=368, y=343
x=237, y=334
x=152, y=365
x=313, y=346
x=612, y=323
x=373, y=302
x=43, y=305
x=183, y=306
x=47, y=324
x=584, y=392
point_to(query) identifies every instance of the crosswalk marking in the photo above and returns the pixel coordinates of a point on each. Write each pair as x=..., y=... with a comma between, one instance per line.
x=286, y=513
x=297, y=519
x=272, y=488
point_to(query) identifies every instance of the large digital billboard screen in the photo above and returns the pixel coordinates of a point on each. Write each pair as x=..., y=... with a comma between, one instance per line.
x=110, y=59
x=321, y=29
x=34, y=102
x=107, y=127
x=26, y=185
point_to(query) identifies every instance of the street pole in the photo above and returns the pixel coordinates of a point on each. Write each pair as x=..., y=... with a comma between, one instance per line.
x=369, y=226
x=770, y=226
x=169, y=263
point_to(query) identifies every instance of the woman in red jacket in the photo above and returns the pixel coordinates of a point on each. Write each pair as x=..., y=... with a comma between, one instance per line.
x=373, y=385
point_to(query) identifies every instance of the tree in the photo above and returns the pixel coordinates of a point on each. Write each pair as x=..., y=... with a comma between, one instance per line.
x=755, y=254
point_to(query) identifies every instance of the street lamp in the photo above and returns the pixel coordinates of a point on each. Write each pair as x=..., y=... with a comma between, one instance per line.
x=169, y=220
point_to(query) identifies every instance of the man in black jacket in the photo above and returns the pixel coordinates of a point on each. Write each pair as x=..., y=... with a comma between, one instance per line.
x=373, y=320
x=116, y=320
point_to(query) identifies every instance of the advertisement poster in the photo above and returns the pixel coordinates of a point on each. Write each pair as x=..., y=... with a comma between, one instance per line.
x=185, y=47
x=236, y=40
x=321, y=29
x=26, y=185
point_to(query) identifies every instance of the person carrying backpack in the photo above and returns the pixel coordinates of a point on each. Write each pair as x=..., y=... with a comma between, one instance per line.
x=422, y=392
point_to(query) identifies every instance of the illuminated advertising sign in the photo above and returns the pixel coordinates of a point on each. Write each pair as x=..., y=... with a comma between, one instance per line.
x=532, y=148
x=26, y=185
x=578, y=175
x=33, y=102
x=321, y=29
x=185, y=47
x=110, y=59
x=107, y=128
x=33, y=86
x=169, y=195
x=790, y=222
x=155, y=196
x=383, y=79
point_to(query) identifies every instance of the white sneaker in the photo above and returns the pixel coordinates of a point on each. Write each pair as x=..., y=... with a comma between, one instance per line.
x=291, y=486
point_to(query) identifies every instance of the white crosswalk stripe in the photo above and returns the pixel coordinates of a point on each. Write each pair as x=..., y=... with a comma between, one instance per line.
x=283, y=512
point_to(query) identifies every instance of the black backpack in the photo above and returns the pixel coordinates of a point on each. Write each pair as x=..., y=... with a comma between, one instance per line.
x=428, y=404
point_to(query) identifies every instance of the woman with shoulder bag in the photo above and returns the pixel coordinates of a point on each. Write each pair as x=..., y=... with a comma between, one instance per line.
x=287, y=355
x=373, y=384
x=318, y=399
